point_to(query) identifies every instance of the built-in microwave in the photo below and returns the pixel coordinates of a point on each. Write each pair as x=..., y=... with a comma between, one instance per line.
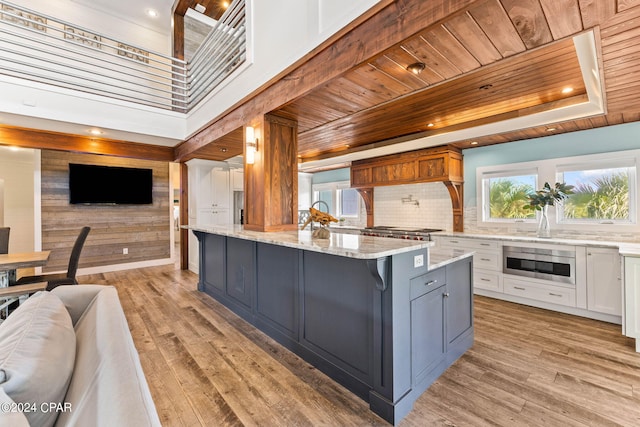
x=547, y=264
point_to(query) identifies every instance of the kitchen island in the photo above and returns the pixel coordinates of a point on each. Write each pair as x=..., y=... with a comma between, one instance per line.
x=383, y=317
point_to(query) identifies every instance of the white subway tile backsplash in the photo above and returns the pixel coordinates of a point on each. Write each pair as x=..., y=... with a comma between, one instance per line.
x=425, y=205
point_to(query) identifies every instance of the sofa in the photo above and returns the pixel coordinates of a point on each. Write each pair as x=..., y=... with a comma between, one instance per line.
x=67, y=358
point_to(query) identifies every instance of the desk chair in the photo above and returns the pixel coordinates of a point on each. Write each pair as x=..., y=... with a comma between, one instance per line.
x=4, y=240
x=68, y=278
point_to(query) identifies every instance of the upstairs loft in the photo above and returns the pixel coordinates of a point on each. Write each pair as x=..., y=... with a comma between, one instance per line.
x=359, y=81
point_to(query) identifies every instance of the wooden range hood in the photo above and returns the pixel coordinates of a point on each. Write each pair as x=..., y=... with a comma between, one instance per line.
x=440, y=164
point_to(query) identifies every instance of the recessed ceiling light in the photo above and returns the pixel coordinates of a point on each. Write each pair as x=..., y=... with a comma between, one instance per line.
x=550, y=129
x=95, y=132
x=430, y=125
x=567, y=90
x=474, y=142
x=223, y=149
x=152, y=13
x=225, y=4
x=416, y=67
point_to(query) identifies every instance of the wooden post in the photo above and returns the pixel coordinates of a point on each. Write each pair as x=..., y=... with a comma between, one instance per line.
x=271, y=182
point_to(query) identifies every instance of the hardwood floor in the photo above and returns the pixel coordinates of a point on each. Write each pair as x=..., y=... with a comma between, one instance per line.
x=207, y=367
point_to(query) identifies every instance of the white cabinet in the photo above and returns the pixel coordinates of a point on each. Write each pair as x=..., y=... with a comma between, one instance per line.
x=237, y=179
x=631, y=318
x=604, y=287
x=487, y=260
x=220, y=190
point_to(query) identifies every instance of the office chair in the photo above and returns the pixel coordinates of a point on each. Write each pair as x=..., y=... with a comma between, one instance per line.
x=4, y=240
x=68, y=278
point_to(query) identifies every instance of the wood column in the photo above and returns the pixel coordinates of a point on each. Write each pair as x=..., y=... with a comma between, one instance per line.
x=271, y=182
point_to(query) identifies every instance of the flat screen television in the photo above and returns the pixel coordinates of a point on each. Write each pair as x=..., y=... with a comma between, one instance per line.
x=94, y=184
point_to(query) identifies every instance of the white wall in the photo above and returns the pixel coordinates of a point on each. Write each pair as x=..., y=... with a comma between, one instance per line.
x=17, y=168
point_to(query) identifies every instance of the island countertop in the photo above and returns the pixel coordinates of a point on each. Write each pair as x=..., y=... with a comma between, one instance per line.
x=346, y=245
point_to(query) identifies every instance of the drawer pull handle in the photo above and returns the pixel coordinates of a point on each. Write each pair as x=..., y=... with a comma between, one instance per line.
x=484, y=244
x=431, y=282
x=519, y=288
x=485, y=259
x=555, y=295
x=485, y=280
x=445, y=295
x=453, y=241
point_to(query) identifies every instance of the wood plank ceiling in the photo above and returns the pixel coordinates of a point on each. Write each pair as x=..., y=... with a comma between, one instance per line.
x=494, y=60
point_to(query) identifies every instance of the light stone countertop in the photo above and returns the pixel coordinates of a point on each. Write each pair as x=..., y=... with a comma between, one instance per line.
x=346, y=245
x=531, y=239
x=439, y=257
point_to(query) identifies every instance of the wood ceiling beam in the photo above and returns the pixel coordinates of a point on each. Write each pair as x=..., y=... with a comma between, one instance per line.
x=387, y=24
x=47, y=140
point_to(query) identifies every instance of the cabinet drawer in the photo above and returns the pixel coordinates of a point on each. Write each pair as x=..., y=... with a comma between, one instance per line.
x=488, y=280
x=427, y=282
x=488, y=260
x=540, y=292
x=456, y=242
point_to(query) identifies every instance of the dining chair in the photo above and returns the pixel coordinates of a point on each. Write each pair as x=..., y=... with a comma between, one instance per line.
x=56, y=279
x=4, y=240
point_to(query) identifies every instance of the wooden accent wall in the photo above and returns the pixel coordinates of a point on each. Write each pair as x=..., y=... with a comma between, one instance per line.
x=271, y=183
x=143, y=229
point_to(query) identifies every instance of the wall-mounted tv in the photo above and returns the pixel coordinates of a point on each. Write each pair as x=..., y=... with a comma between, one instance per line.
x=94, y=184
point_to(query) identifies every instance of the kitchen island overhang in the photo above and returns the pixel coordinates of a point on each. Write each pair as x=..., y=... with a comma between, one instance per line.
x=383, y=317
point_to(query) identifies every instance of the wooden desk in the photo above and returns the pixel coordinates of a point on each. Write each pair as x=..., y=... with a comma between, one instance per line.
x=10, y=262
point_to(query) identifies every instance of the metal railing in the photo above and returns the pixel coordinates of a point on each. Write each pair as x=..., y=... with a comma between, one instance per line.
x=48, y=50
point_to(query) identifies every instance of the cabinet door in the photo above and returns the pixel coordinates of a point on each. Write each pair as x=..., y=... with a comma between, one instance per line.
x=240, y=270
x=237, y=179
x=213, y=262
x=631, y=319
x=604, y=287
x=459, y=299
x=220, y=188
x=427, y=333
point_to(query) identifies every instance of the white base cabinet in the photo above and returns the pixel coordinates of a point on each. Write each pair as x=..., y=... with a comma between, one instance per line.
x=631, y=318
x=597, y=292
x=604, y=281
x=487, y=260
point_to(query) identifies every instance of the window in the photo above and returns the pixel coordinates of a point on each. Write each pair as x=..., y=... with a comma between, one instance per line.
x=504, y=196
x=604, y=199
x=348, y=203
x=341, y=200
x=601, y=194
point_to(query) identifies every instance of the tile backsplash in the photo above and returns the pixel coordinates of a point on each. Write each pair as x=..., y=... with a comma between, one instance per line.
x=425, y=205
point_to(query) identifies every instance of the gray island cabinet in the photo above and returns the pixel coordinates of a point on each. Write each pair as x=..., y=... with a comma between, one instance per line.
x=383, y=317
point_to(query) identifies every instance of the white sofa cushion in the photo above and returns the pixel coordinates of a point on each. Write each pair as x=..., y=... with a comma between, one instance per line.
x=37, y=355
x=108, y=387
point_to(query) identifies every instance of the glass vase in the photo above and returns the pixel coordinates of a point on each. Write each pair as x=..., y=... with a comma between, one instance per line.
x=544, y=229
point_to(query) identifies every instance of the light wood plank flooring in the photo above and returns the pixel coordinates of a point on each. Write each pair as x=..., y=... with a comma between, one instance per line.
x=207, y=367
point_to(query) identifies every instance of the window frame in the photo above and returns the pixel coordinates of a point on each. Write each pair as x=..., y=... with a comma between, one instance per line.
x=485, y=211
x=550, y=170
x=597, y=164
x=336, y=187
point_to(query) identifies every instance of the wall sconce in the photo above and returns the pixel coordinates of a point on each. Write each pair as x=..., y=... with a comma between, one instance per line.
x=252, y=145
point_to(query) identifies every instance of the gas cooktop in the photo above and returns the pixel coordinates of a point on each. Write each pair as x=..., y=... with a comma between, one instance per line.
x=402, y=229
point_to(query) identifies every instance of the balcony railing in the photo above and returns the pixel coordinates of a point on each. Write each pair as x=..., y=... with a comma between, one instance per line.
x=48, y=50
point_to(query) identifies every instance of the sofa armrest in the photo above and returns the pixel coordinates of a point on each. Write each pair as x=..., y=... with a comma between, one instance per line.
x=77, y=298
